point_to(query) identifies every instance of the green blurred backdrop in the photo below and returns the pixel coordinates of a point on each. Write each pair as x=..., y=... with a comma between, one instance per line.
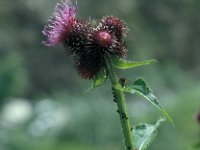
x=42, y=100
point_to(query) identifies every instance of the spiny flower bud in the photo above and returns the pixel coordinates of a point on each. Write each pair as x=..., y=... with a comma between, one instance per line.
x=103, y=38
x=107, y=43
x=89, y=65
x=115, y=26
x=78, y=37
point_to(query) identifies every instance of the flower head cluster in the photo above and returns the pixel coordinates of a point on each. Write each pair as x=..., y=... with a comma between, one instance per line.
x=89, y=41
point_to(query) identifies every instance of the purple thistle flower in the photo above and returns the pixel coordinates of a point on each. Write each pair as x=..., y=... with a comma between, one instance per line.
x=60, y=24
x=88, y=41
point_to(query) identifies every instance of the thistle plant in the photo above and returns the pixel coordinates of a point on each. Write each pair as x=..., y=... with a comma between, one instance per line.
x=98, y=48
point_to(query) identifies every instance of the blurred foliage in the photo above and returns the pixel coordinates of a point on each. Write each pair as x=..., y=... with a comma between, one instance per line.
x=64, y=118
x=13, y=78
x=74, y=123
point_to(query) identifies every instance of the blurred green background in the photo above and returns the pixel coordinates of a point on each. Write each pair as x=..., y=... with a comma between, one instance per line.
x=42, y=100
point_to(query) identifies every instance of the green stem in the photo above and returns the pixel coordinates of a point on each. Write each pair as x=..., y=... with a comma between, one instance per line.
x=119, y=98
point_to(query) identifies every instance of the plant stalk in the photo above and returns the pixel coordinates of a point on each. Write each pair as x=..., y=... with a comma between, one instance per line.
x=119, y=98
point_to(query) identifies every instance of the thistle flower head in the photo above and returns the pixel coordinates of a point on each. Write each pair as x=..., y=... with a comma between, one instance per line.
x=77, y=40
x=60, y=24
x=91, y=58
x=115, y=26
x=88, y=41
x=89, y=65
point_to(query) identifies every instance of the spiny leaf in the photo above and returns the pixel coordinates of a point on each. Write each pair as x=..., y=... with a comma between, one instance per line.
x=125, y=64
x=140, y=87
x=144, y=134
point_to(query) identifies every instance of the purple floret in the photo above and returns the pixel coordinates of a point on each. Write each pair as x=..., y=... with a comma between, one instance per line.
x=60, y=24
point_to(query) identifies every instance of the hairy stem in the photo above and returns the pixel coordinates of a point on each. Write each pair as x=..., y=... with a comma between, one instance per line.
x=119, y=98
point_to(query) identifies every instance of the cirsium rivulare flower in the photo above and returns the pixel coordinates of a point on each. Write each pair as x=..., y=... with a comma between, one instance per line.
x=89, y=41
x=60, y=24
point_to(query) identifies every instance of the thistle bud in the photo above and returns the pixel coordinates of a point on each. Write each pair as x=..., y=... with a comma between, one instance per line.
x=78, y=37
x=103, y=38
x=115, y=26
x=88, y=65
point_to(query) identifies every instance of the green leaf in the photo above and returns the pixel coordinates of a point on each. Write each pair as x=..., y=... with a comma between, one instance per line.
x=140, y=87
x=125, y=64
x=129, y=89
x=144, y=134
x=100, y=79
